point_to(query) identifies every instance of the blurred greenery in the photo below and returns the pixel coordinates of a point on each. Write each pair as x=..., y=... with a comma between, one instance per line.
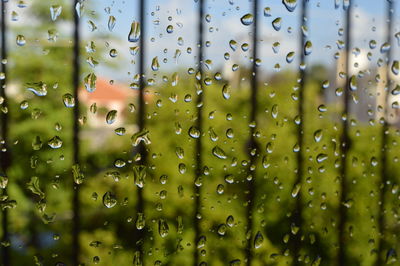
x=41, y=227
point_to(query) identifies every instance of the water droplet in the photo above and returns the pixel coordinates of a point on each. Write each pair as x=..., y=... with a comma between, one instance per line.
x=139, y=175
x=391, y=256
x=170, y=29
x=140, y=221
x=38, y=88
x=109, y=199
x=14, y=16
x=69, y=100
x=113, y=53
x=77, y=174
x=154, y=64
x=90, y=82
x=233, y=44
x=395, y=67
x=20, y=40
x=111, y=116
x=318, y=135
x=194, y=132
x=111, y=23
x=3, y=181
x=290, y=57
x=290, y=4
x=55, y=142
x=296, y=190
x=222, y=229
x=258, y=240
x=307, y=48
x=163, y=228
x=353, y=83
x=277, y=24
x=247, y=19
x=385, y=47
x=134, y=33
x=396, y=90
x=219, y=153
x=321, y=157
x=267, y=12
x=226, y=91
x=55, y=12
x=275, y=47
x=141, y=136
x=34, y=186
x=79, y=8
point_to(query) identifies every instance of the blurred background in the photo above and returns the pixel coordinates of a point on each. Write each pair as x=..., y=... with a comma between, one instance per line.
x=145, y=197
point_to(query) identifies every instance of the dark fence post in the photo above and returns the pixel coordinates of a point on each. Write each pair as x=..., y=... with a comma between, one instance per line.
x=141, y=121
x=297, y=219
x=252, y=145
x=345, y=144
x=199, y=125
x=75, y=138
x=4, y=155
x=384, y=141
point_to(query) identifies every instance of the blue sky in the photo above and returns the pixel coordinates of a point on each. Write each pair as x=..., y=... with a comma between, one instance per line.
x=324, y=22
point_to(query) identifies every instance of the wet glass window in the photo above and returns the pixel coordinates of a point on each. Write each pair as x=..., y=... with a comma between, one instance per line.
x=199, y=132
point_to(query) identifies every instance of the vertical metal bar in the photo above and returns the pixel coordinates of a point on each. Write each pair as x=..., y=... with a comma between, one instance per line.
x=345, y=144
x=252, y=152
x=75, y=138
x=297, y=218
x=384, y=141
x=141, y=119
x=199, y=125
x=4, y=156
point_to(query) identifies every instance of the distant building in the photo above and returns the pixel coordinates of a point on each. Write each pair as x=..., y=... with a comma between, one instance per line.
x=107, y=97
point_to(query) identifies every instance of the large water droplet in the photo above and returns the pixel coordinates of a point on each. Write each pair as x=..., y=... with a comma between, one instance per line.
x=290, y=4
x=134, y=34
x=194, y=132
x=226, y=91
x=277, y=24
x=163, y=228
x=308, y=47
x=38, y=88
x=395, y=67
x=391, y=256
x=55, y=142
x=111, y=23
x=154, y=64
x=55, y=12
x=258, y=240
x=90, y=82
x=247, y=19
x=111, y=116
x=68, y=100
x=218, y=152
x=20, y=40
x=109, y=199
